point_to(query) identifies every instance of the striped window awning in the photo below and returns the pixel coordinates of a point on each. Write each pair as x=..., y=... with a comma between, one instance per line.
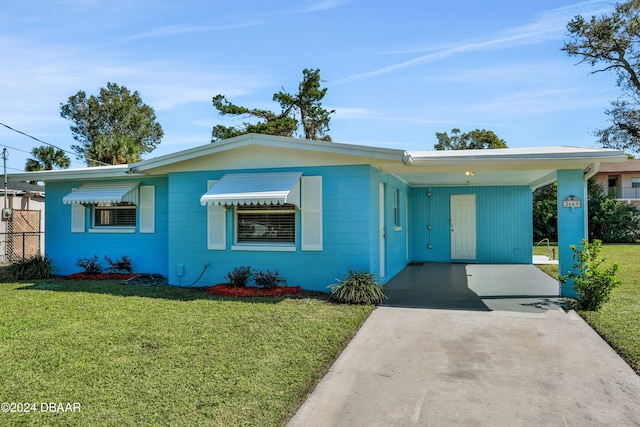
x=112, y=192
x=255, y=189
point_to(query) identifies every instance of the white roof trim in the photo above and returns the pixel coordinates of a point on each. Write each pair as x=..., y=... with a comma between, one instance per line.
x=360, y=151
x=533, y=153
x=93, y=193
x=255, y=189
x=94, y=172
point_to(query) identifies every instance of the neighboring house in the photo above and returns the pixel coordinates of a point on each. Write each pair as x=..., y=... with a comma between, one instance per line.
x=622, y=179
x=22, y=225
x=310, y=209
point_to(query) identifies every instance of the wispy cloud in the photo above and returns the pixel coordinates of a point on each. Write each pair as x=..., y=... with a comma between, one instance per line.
x=174, y=30
x=323, y=5
x=548, y=25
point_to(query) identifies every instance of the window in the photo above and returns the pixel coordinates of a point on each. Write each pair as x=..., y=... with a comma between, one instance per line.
x=114, y=215
x=396, y=208
x=266, y=223
x=635, y=182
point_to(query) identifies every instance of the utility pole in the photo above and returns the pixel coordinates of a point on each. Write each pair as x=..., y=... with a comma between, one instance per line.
x=4, y=161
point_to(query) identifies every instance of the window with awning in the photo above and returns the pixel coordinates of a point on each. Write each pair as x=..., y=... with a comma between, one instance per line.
x=112, y=206
x=264, y=211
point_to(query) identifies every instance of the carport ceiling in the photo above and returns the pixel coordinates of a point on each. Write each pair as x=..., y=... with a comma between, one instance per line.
x=532, y=178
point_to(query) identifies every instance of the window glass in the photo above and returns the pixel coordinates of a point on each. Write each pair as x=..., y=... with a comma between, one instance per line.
x=114, y=215
x=396, y=207
x=635, y=182
x=266, y=224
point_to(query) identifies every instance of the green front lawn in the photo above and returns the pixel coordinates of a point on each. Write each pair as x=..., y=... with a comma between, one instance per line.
x=163, y=356
x=618, y=321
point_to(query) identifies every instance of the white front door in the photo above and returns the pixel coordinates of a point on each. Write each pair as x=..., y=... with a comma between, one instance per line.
x=383, y=234
x=463, y=227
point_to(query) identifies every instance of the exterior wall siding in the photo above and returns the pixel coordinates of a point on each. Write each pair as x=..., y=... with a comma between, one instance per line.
x=148, y=252
x=503, y=223
x=396, y=235
x=346, y=232
x=572, y=222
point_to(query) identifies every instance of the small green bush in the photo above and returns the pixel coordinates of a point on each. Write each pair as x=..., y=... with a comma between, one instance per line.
x=36, y=267
x=592, y=283
x=268, y=279
x=358, y=287
x=119, y=265
x=238, y=277
x=89, y=265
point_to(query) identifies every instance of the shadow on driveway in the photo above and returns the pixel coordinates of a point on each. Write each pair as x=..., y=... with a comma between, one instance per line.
x=474, y=287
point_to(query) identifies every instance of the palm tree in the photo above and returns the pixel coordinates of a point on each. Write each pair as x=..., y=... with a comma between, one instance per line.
x=46, y=158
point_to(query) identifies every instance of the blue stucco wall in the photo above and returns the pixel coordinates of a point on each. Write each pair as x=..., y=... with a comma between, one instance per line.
x=347, y=225
x=503, y=223
x=148, y=252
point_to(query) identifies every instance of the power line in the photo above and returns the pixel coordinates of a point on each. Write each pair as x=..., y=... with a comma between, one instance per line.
x=51, y=145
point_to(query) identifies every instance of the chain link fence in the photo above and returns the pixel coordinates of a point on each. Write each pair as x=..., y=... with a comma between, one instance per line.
x=22, y=238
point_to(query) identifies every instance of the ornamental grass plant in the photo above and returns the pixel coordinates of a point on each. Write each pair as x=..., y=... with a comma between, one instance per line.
x=358, y=287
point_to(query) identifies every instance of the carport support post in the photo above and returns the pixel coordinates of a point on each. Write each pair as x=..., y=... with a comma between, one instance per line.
x=572, y=221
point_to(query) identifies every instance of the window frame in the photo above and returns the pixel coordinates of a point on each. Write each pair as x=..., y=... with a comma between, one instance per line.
x=396, y=210
x=265, y=244
x=95, y=227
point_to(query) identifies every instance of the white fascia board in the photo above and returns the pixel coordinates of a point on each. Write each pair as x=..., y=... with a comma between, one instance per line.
x=360, y=151
x=97, y=172
x=561, y=153
x=545, y=180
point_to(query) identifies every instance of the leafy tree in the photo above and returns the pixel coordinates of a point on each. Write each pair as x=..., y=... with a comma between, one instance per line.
x=610, y=220
x=115, y=127
x=476, y=139
x=611, y=43
x=302, y=109
x=545, y=213
x=47, y=158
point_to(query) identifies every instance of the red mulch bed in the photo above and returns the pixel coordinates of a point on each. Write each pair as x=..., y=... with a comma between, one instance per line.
x=251, y=291
x=100, y=276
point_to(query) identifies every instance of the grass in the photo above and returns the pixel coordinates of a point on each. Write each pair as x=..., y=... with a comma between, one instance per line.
x=163, y=356
x=617, y=321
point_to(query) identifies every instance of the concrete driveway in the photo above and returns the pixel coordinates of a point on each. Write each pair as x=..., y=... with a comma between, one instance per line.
x=504, y=366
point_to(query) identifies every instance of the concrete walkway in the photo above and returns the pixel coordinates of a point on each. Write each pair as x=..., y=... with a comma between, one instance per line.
x=476, y=366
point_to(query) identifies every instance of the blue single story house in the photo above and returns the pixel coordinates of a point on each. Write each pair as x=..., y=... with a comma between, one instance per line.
x=311, y=209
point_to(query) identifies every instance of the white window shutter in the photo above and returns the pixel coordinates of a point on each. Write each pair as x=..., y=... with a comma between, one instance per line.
x=77, y=218
x=147, y=207
x=216, y=225
x=311, y=213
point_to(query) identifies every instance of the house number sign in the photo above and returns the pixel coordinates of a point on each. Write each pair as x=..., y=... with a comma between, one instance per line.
x=571, y=202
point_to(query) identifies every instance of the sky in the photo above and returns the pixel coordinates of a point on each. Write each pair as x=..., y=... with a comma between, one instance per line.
x=396, y=72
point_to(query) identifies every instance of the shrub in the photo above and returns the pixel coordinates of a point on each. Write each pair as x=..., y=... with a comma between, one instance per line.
x=358, y=287
x=592, y=283
x=238, y=277
x=268, y=279
x=36, y=267
x=119, y=265
x=89, y=265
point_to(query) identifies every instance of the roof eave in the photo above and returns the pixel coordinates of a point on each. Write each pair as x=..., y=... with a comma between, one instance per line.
x=276, y=142
x=98, y=172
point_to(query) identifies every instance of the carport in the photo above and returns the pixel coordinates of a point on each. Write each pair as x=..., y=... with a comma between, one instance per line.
x=478, y=287
x=473, y=208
